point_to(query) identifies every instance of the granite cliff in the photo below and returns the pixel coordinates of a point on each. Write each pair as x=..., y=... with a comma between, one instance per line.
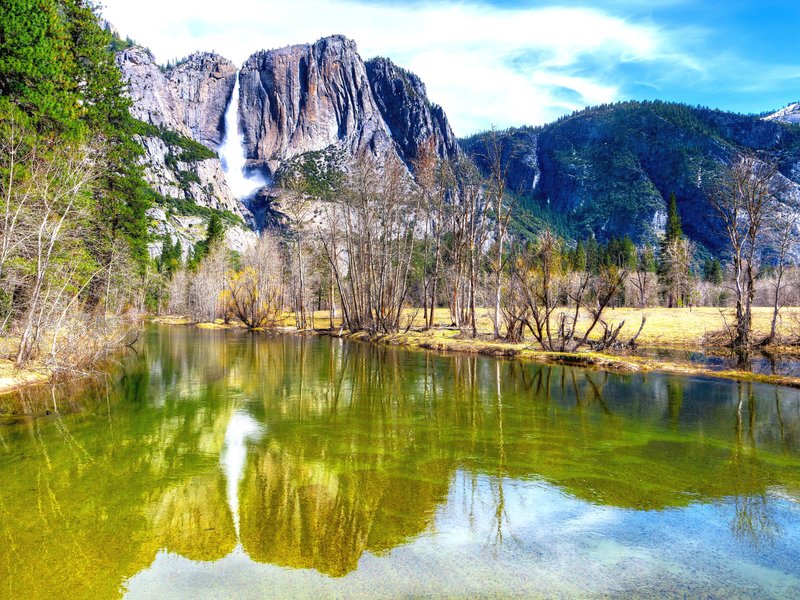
x=310, y=97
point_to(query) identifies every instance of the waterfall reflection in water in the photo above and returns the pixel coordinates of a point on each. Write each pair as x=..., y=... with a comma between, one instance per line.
x=236, y=465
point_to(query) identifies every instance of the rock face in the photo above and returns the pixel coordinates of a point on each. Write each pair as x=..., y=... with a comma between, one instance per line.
x=790, y=114
x=308, y=97
x=411, y=118
x=185, y=105
x=608, y=171
x=189, y=98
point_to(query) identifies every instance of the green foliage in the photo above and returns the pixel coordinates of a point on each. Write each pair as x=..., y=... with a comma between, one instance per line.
x=321, y=172
x=118, y=44
x=57, y=66
x=215, y=234
x=36, y=65
x=647, y=259
x=170, y=259
x=712, y=271
x=182, y=149
x=608, y=170
x=674, y=229
x=181, y=206
x=621, y=252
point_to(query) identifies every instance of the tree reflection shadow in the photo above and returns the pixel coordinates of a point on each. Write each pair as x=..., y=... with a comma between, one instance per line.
x=362, y=447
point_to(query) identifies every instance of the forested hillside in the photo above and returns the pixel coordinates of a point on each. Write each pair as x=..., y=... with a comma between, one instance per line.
x=609, y=170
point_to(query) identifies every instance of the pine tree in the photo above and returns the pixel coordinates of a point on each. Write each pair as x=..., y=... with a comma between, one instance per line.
x=674, y=229
x=36, y=64
x=215, y=231
x=579, y=262
x=712, y=271
x=673, y=260
x=59, y=78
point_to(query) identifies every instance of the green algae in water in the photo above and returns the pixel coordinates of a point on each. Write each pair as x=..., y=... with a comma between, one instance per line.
x=222, y=464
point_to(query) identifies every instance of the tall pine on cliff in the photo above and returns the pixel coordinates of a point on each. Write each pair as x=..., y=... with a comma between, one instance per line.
x=57, y=75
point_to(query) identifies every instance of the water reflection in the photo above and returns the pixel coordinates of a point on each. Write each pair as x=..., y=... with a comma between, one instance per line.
x=241, y=429
x=229, y=461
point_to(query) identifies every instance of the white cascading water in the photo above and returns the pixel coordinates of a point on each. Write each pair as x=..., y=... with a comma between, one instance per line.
x=242, y=184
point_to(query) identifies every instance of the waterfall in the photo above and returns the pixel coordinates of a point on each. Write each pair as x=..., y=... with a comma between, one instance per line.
x=242, y=184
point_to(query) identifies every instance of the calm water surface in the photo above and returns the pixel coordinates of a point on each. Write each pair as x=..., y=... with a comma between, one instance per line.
x=227, y=465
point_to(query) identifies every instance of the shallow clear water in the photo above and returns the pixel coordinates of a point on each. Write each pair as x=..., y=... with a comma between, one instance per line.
x=759, y=362
x=229, y=465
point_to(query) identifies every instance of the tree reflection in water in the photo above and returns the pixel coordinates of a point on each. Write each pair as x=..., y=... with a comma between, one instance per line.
x=312, y=453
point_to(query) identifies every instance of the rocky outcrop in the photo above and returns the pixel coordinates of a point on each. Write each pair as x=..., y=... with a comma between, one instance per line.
x=790, y=114
x=201, y=181
x=152, y=95
x=297, y=103
x=303, y=98
x=308, y=98
x=203, y=84
x=189, y=98
x=411, y=118
x=191, y=229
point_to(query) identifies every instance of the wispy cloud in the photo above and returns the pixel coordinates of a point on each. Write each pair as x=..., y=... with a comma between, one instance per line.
x=485, y=64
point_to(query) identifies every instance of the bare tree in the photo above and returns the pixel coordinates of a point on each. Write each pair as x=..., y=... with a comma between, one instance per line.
x=55, y=194
x=297, y=204
x=468, y=234
x=373, y=264
x=742, y=198
x=498, y=161
x=207, y=285
x=782, y=225
x=254, y=293
x=435, y=180
x=542, y=280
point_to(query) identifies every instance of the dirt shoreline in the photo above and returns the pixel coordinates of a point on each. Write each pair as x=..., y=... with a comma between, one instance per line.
x=12, y=379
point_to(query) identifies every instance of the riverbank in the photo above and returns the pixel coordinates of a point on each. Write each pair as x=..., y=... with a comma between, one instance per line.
x=82, y=350
x=667, y=331
x=13, y=379
x=619, y=363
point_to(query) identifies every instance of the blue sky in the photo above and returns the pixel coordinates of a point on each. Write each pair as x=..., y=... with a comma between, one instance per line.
x=514, y=62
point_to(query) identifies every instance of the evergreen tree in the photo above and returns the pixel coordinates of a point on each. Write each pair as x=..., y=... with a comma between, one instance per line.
x=170, y=260
x=579, y=261
x=674, y=229
x=60, y=86
x=593, y=256
x=674, y=258
x=647, y=259
x=712, y=271
x=215, y=231
x=215, y=234
x=36, y=64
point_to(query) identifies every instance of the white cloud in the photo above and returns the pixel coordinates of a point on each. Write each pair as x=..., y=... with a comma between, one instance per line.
x=485, y=65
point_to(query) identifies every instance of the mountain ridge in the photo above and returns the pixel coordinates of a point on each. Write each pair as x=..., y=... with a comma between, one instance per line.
x=610, y=169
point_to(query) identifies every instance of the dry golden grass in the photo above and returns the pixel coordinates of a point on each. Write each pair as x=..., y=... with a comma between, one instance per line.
x=665, y=327
x=12, y=378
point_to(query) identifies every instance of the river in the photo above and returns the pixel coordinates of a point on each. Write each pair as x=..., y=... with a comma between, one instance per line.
x=223, y=464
